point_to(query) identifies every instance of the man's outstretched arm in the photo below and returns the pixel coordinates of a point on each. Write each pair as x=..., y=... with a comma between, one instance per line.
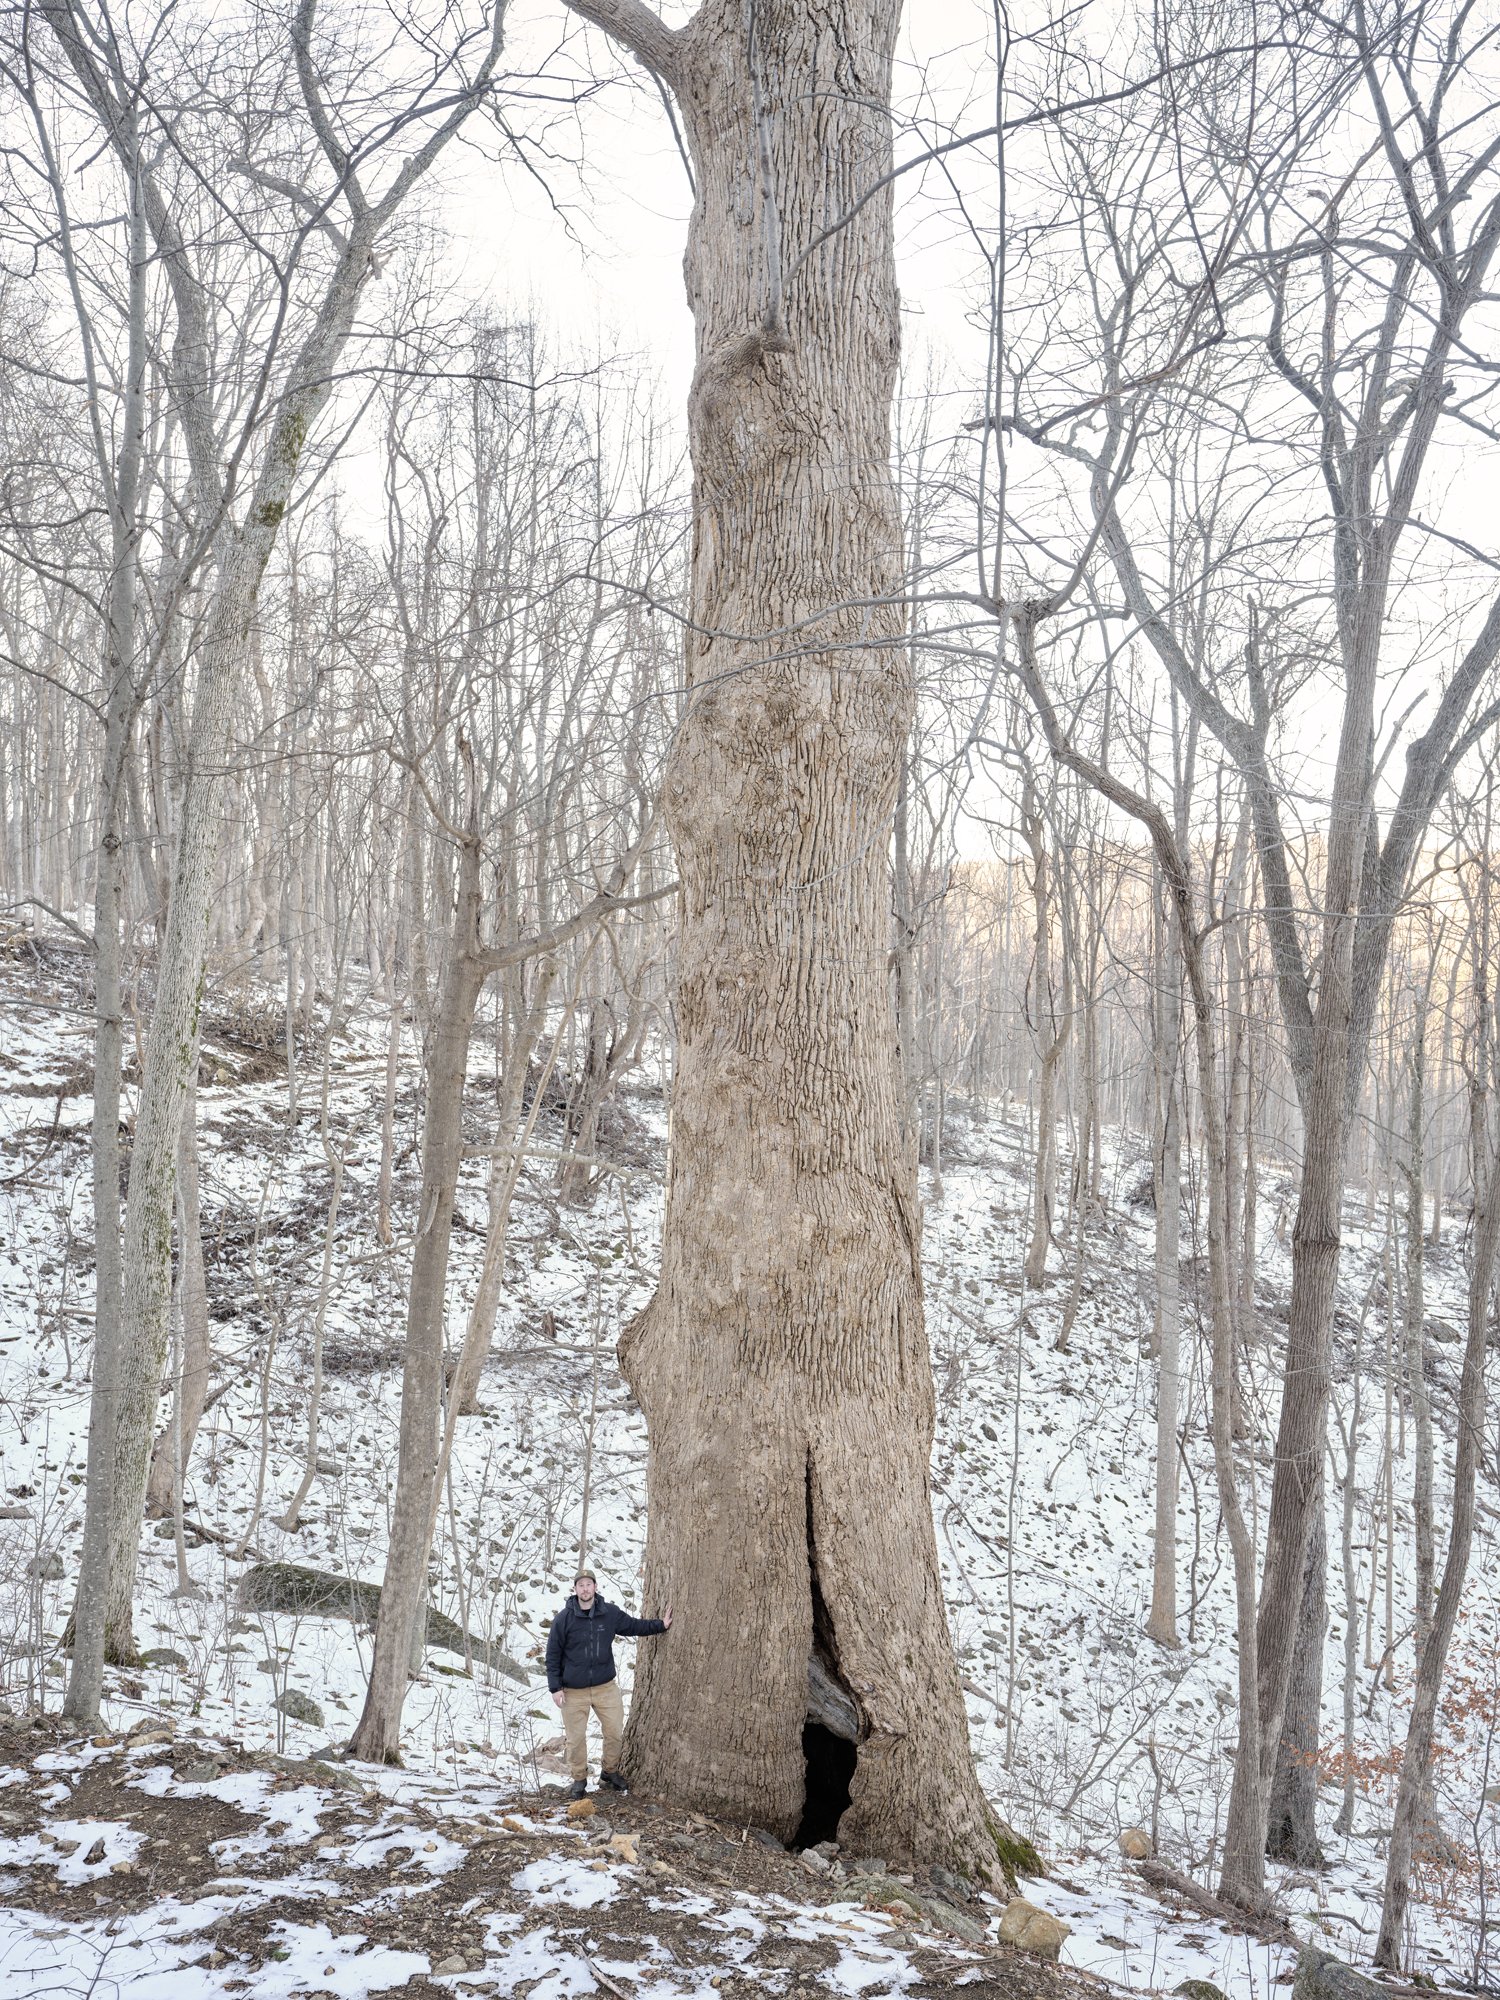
x=644, y=1628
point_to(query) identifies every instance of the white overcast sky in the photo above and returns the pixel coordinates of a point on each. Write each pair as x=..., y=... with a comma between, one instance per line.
x=596, y=255
x=611, y=272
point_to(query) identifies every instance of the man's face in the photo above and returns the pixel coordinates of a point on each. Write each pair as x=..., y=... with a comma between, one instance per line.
x=584, y=1586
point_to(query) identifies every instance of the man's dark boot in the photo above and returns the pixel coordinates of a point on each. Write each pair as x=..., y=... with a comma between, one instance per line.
x=580, y=1789
x=613, y=1779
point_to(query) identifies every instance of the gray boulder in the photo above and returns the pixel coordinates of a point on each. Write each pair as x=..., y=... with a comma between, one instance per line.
x=164, y=1656
x=1320, y=1976
x=955, y=1921
x=300, y=1707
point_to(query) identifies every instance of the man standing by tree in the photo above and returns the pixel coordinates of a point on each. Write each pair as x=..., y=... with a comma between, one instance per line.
x=581, y=1675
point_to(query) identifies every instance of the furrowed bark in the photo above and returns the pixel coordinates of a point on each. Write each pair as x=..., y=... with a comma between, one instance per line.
x=783, y=1365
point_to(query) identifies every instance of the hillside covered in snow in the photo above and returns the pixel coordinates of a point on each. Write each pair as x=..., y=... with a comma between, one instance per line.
x=1084, y=1730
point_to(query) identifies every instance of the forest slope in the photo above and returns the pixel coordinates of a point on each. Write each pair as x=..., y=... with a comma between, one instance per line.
x=1041, y=1483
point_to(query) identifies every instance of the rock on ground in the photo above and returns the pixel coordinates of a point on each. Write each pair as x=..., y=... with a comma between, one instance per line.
x=1034, y=1929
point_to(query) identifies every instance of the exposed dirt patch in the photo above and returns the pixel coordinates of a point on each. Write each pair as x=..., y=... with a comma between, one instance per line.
x=632, y=1883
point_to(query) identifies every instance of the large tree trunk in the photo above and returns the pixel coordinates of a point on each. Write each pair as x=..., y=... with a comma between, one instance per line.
x=783, y=1364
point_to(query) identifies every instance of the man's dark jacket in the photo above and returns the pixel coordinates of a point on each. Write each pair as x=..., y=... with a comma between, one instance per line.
x=581, y=1644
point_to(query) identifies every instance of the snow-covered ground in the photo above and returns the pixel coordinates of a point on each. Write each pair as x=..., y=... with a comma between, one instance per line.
x=283, y=1880
x=1042, y=1494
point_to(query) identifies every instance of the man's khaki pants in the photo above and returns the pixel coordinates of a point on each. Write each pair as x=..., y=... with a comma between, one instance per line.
x=608, y=1704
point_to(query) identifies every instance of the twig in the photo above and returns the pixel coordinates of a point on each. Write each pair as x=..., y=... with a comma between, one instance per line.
x=31, y=1166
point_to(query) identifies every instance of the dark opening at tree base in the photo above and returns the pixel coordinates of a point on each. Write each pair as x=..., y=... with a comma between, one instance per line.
x=830, y=1771
x=1289, y=1841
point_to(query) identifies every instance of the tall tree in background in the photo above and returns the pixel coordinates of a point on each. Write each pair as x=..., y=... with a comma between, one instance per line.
x=782, y=1364
x=1363, y=354
x=122, y=472
x=1414, y=1821
x=323, y=239
x=1376, y=410
x=524, y=677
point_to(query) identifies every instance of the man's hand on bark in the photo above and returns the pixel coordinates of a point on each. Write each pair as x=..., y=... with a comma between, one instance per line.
x=666, y=1618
